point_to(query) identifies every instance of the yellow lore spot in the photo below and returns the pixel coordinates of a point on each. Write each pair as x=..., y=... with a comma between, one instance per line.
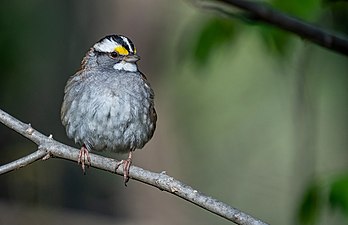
x=121, y=50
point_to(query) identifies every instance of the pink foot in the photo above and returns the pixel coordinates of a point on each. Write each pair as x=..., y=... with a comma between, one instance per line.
x=126, y=165
x=84, y=158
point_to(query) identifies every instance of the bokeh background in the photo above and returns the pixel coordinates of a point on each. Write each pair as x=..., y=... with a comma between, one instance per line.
x=248, y=114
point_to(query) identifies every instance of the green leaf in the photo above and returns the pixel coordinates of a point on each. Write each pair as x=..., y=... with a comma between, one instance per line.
x=338, y=195
x=276, y=41
x=210, y=37
x=338, y=14
x=306, y=10
x=279, y=41
x=311, y=205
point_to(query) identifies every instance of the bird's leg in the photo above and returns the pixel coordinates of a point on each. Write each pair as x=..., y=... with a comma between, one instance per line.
x=126, y=165
x=84, y=158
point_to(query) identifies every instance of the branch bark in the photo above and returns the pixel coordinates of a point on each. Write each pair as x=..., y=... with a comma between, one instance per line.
x=47, y=147
x=259, y=11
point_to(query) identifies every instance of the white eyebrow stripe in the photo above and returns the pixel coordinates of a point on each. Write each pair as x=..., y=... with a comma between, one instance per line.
x=127, y=42
x=106, y=46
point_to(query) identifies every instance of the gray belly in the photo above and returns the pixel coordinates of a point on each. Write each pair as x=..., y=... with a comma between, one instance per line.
x=106, y=120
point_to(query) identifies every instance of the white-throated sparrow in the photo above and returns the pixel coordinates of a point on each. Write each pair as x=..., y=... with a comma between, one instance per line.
x=109, y=104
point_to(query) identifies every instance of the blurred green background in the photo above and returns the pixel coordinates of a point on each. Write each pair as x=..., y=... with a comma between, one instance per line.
x=248, y=114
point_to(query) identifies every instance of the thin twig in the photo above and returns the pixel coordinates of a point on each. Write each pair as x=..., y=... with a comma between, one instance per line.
x=259, y=11
x=51, y=148
x=19, y=163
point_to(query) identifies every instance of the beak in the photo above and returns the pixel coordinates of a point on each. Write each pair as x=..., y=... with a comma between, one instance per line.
x=131, y=58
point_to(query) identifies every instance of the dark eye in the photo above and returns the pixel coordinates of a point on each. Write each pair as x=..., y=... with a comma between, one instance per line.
x=113, y=54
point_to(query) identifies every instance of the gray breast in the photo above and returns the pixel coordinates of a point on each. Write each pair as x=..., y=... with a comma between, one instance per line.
x=109, y=112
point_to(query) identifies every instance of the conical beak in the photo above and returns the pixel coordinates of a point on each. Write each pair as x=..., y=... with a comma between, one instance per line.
x=131, y=58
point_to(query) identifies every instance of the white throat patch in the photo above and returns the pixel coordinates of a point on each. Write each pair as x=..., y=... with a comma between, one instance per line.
x=127, y=66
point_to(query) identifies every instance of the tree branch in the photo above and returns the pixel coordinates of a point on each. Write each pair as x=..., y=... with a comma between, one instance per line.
x=51, y=148
x=19, y=163
x=259, y=11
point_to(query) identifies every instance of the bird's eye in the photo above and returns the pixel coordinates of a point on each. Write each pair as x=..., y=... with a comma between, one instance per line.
x=113, y=54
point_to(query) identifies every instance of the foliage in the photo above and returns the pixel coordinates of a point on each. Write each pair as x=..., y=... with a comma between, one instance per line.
x=311, y=205
x=318, y=197
x=212, y=35
x=215, y=33
x=338, y=194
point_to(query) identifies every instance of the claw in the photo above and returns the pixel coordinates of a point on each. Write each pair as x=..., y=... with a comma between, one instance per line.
x=126, y=165
x=84, y=158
